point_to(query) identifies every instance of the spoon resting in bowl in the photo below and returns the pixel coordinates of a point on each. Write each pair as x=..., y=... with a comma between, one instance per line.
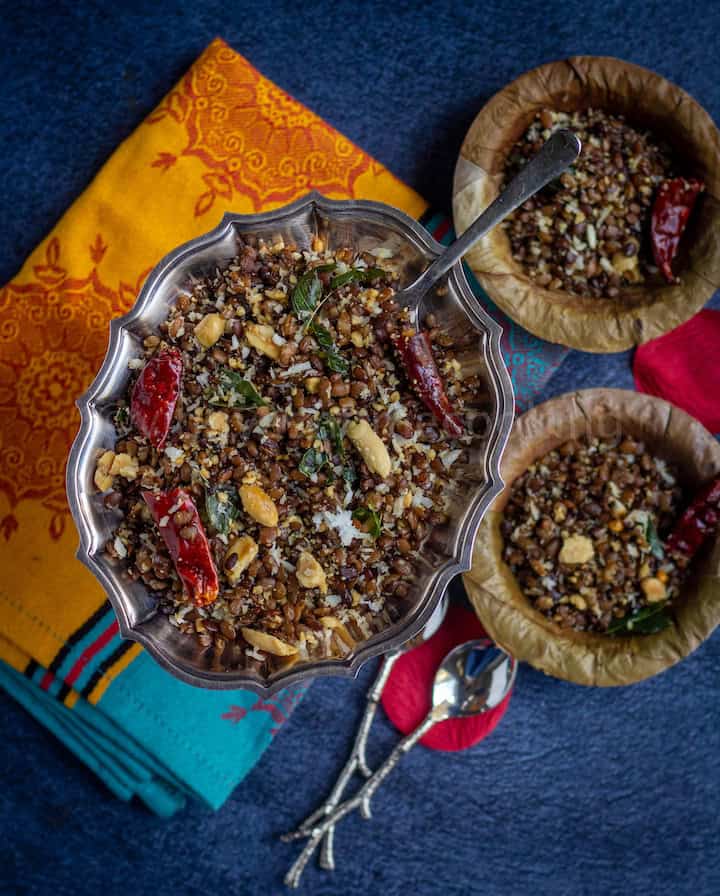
x=412, y=343
x=556, y=156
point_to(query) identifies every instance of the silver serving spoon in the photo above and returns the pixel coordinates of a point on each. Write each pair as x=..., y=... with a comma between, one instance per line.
x=472, y=679
x=556, y=156
x=357, y=761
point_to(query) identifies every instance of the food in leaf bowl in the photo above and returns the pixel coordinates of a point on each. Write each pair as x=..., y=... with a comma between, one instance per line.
x=621, y=248
x=599, y=562
x=613, y=221
x=277, y=485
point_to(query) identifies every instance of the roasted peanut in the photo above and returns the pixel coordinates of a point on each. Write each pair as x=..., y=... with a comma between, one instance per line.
x=268, y=643
x=334, y=623
x=260, y=337
x=259, y=505
x=371, y=447
x=209, y=330
x=309, y=573
x=653, y=589
x=576, y=549
x=103, y=477
x=627, y=266
x=218, y=421
x=124, y=465
x=245, y=550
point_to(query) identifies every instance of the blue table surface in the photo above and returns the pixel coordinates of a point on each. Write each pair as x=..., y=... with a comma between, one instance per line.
x=579, y=791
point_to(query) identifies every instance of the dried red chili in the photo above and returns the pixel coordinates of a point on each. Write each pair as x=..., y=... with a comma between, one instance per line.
x=673, y=204
x=415, y=351
x=191, y=555
x=155, y=395
x=699, y=521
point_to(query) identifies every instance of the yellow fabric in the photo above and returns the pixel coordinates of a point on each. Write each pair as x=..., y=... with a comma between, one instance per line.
x=224, y=139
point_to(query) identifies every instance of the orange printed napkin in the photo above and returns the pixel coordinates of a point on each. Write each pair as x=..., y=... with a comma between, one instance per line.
x=224, y=139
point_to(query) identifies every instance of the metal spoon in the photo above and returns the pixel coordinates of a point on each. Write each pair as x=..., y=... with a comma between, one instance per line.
x=472, y=679
x=357, y=761
x=556, y=155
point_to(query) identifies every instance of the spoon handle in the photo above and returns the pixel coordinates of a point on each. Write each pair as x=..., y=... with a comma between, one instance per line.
x=401, y=748
x=556, y=155
x=362, y=797
x=356, y=762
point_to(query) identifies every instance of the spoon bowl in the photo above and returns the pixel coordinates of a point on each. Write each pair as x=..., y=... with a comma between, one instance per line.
x=473, y=678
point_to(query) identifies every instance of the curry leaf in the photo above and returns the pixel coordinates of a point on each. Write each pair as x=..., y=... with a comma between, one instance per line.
x=322, y=336
x=653, y=539
x=357, y=275
x=232, y=390
x=122, y=417
x=335, y=362
x=373, y=274
x=343, y=279
x=312, y=462
x=306, y=294
x=645, y=621
x=221, y=509
x=328, y=351
x=330, y=429
x=349, y=474
x=366, y=515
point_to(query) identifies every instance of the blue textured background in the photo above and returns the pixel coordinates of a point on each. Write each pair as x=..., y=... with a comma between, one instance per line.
x=578, y=791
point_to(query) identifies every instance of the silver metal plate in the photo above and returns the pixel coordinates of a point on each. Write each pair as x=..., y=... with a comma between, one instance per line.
x=363, y=226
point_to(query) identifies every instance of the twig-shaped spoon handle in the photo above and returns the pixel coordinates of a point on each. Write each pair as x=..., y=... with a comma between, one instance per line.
x=555, y=156
x=356, y=762
x=362, y=797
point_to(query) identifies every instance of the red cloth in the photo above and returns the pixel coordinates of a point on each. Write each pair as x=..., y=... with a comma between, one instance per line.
x=406, y=698
x=683, y=366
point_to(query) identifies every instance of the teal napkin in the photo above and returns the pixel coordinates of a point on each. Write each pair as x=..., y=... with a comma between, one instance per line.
x=156, y=738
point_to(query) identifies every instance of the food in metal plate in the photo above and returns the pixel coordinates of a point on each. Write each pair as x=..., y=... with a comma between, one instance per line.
x=416, y=354
x=590, y=233
x=155, y=395
x=181, y=528
x=307, y=458
x=587, y=535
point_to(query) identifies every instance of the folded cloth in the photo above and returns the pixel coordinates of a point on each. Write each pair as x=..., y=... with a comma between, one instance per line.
x=225, y=138
x=682, y=366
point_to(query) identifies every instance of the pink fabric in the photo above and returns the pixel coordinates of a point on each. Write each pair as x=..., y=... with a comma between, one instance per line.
x=683, y=366
x=406, y=698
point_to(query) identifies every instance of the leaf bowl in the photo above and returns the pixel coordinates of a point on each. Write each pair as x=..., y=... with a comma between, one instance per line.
x=647, y=100
x=592, y=658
